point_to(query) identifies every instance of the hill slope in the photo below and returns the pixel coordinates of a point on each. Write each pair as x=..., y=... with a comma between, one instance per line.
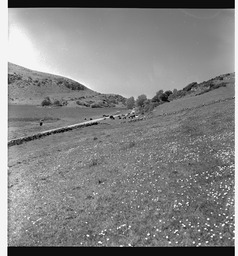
x=195, y=89
x=164, y=181
x=27, y=86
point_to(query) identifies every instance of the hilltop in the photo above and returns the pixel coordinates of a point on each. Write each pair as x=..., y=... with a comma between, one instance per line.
x=26, y=86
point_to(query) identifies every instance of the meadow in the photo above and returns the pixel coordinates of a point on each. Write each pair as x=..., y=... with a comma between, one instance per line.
x=164, y=181
x=24, y=120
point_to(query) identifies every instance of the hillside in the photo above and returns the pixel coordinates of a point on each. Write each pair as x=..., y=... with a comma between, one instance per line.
x=167, y=180
x=30, y=87
x=196, y=89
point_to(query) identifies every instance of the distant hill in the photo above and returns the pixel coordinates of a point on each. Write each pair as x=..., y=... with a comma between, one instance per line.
x=26, y=86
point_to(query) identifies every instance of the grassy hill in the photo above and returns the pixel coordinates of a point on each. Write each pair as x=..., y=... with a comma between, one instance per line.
x=27, y=86
x=164, y=181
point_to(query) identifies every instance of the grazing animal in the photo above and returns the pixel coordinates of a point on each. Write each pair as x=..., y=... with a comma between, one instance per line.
x=132, y=116
x=91, y=118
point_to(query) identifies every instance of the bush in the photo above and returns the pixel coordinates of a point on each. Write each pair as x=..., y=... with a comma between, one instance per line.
x=57, y=103
x=46, y=102
x=215, y=86
x=96, y=105
x=189, y=86
x=181, y=93
x=73, y=85
x=80, y=103
x=63, y=102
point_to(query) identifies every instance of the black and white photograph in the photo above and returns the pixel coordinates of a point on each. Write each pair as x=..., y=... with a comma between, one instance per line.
x=121, y=127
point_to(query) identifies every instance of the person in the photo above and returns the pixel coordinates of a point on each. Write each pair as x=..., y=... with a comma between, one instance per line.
x=41, y=122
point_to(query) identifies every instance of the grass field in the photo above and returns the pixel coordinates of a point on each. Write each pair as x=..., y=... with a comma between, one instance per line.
x=24, y=120
x=165, y=181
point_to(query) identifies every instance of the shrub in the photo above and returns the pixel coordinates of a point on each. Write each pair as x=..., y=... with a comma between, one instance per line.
x=149, y=106
x=90, y=102
x=105, y=104
x=78, y=102
x=181, y=93
x=215, y=86
x=73, y=85
x=96, y=105
x=189, y=86
x=46, y=102
x=57, y=103
x=63, y=102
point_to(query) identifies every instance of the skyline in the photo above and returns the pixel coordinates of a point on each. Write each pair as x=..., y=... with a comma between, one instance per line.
x=124, y=51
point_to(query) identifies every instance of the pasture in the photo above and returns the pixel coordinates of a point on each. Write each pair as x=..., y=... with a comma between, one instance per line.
x=164, y=181
x=24, y=120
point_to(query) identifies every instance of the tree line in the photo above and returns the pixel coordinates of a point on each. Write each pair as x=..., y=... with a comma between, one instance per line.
x=144, y=104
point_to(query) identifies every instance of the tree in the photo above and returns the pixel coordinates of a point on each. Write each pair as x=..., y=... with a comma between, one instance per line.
x=168, y=92
x=140, y=100
x=157, y=97
x=175, y=91
x=164, y=96
x=130, y=102
x=160, y=92
x=148, y=106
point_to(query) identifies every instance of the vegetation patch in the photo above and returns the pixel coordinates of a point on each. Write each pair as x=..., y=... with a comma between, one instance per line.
x=48, y=102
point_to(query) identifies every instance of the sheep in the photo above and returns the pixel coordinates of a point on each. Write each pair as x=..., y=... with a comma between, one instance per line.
x=132, y=116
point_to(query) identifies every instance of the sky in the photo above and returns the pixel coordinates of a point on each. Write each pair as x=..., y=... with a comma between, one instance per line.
x=124, y=51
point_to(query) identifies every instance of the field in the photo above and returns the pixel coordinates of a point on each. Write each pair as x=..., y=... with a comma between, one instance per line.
x=164, y=181
x=24, y=120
